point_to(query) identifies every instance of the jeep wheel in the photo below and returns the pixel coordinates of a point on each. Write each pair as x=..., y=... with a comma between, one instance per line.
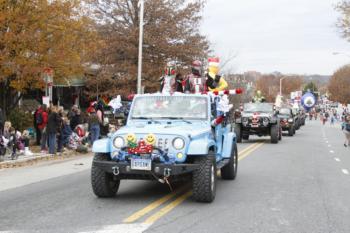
x=229, y=171
x=238, y=131
x=274, y=133
x=102, y=182
x=291, y=131
x=204, y=179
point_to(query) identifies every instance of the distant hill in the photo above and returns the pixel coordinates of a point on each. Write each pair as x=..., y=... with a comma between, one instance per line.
x=320, y=79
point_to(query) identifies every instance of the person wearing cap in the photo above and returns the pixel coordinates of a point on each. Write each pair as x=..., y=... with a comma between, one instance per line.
x=195, y=82
x=214, y=81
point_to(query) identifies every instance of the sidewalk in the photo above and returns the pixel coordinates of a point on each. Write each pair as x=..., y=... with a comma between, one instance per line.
x=36, y=157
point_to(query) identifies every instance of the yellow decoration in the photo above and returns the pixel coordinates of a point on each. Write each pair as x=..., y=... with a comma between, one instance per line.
x=131, y=138
x=213, y=70
x=222, y=85
x=150, y=139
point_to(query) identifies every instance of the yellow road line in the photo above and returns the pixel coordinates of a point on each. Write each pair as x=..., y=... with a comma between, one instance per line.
x=248, y=152
x=183, y=197
x=152, y=206
x=168, y=208
x=153, y=218
x=247, y=148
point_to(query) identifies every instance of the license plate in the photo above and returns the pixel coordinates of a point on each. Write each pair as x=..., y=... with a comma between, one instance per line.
x=141, y=164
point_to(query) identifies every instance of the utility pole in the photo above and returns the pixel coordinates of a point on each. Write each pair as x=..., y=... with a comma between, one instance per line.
x=139, y=69
x=281, y=85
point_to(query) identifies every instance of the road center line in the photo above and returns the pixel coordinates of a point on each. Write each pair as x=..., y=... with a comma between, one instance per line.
x=247, y=148
x=331, y=151
x=345, y=171
x=153, y=205
x=183, y=197
x=153, y=218
x=168, y=208
x=166, y=198
x=243, y=155
x=337, y=159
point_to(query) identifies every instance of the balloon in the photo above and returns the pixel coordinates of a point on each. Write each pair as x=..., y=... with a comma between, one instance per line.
x=308, y=101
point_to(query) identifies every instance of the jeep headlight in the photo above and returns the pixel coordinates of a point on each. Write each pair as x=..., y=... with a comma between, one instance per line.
x=265, y=121
x=178, y=143
x=245, y=121
x=118, y=142
x=290, y=120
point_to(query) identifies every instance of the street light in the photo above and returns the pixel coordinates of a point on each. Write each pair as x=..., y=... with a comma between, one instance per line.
x=139, y=68
x=281, y=84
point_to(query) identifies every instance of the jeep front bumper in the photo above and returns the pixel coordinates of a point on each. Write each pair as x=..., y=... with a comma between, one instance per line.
x=124, y=171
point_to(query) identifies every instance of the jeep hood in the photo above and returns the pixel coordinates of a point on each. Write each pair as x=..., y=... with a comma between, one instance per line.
x=187, y=130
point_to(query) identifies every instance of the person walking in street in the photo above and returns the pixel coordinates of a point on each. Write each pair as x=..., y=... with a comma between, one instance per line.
x=2, y=122
x=41, y=120
x=346, y=130
x=94, y=126
x=53, y=125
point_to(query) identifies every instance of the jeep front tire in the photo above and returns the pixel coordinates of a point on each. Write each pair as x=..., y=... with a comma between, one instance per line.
x=238, y=131
x=204, y=179
x=103, y=183
x=274, y=134
x=229, y=171
x=290, y=131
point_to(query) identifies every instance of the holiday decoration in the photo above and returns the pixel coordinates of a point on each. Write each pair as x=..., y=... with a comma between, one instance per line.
x=150, y=139
x=141, y=148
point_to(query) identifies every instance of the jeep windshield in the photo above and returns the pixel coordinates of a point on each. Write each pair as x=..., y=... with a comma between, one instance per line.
x=284, y=111
x=170, y=108
x=258, y=107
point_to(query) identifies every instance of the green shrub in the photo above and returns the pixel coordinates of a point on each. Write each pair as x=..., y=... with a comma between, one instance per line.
x=20, y=119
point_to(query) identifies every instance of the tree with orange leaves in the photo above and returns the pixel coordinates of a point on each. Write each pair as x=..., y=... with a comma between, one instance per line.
x=38, y=34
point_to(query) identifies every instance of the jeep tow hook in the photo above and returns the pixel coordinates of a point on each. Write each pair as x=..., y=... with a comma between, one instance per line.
x=167, y=172
x=166, y=175
x=115, y=170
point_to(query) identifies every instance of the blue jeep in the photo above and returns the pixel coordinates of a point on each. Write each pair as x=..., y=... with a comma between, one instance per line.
x=167, y=137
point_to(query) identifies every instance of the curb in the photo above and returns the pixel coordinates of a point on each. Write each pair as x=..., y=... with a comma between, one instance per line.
x=35, y=159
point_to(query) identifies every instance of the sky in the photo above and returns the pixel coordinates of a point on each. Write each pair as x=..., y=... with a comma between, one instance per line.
x=289, y=36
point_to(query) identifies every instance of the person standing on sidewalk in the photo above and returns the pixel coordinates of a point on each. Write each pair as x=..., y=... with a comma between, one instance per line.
x=346, y=129
x=52, y=128
x=60, y=129
x=2, y=122
x=94, y=126
x=41, y=120
x=37, y=130
x=75, y=119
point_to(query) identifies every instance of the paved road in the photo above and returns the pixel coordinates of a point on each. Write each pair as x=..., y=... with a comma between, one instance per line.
x=299, y=185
